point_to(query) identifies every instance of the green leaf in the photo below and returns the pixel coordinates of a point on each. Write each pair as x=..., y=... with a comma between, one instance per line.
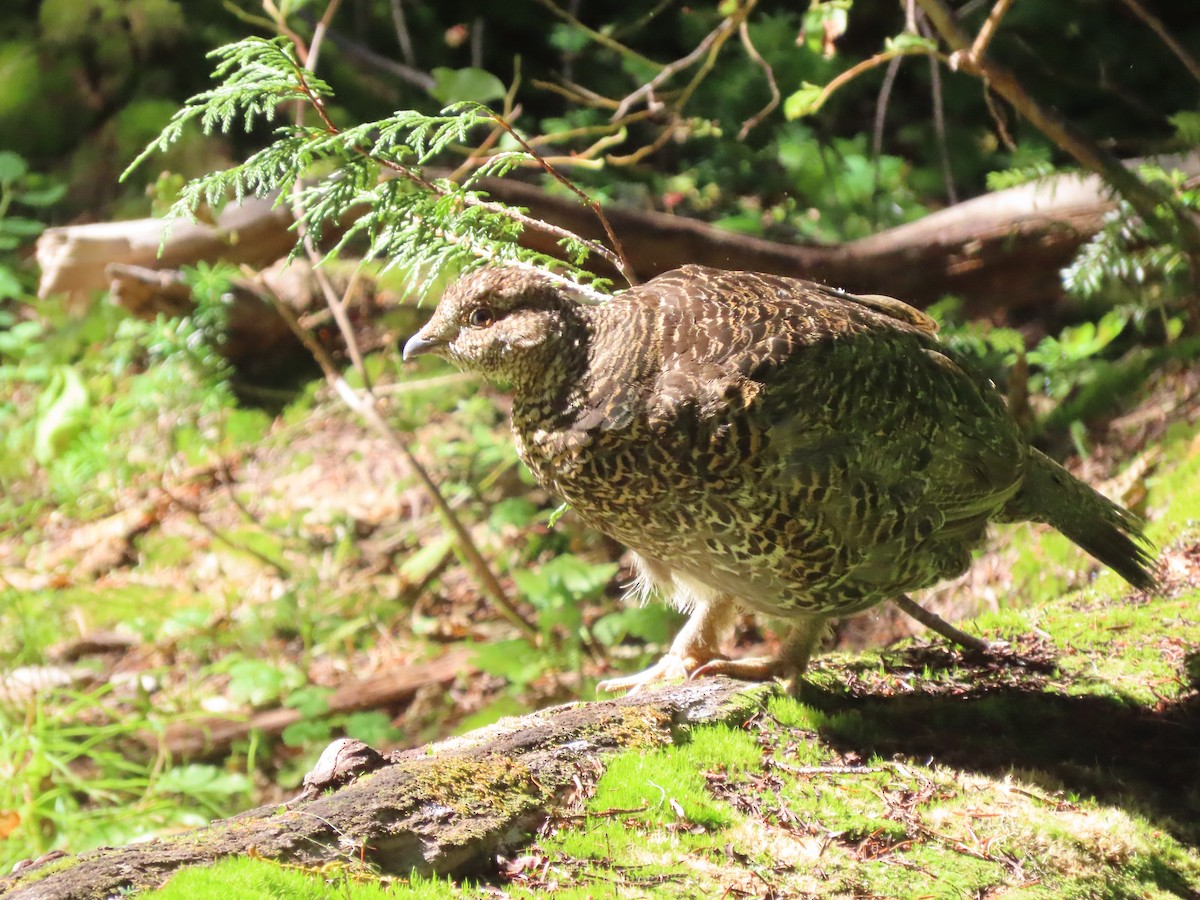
x=306, y=731
x=12, y=166
x=198, y=779
x=46, y=196
x=513, y=660
x=372, y=727
x=10, y=285
x=804, y=102
x=907, y=42
x=578, y=577
x=21, y=227
x=457, y=85
x=62, y=413
x=1187, y=126
x=558, y=513
x=255, y=682
x=311, y=700
x=420, y=566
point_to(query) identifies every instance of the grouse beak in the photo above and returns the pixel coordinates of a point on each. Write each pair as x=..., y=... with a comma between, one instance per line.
x=417, y=345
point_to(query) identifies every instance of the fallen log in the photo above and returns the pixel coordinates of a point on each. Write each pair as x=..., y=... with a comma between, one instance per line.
x=214, y=736
x=1001, y=251
x=74, y=258
x=447, y=809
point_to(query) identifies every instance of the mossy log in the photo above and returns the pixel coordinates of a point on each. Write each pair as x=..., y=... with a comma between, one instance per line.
x=448, y=808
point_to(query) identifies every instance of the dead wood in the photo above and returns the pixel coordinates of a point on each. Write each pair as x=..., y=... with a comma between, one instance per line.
x=74, y=258
x=448, y=808
x=214, y=736
x=1001, y=251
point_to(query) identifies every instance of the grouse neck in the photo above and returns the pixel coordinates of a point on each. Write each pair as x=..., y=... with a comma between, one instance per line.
x=548, y=385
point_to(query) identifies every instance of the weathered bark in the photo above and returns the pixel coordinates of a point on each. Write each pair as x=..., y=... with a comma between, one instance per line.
x=445, y=809
x=74, y=258
x=1001, y=251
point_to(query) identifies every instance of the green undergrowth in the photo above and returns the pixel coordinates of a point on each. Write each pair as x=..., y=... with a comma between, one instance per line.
x=907, y=773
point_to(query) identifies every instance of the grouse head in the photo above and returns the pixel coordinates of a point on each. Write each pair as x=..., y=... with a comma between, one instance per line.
x=508, y=324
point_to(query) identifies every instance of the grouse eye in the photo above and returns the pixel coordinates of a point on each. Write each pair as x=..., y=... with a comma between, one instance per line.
x=481, y=317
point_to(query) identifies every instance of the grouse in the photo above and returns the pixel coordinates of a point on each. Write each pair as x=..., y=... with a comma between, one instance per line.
x=763, y=442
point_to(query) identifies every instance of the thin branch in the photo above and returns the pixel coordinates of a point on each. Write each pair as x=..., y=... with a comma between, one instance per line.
x=881, y=106
x=936, y=623
x=403, y=38
x=602, y=39
x=988, y=30
x=365, y=403
x=873, y=62
x=619, y=260
x=646, y=91
x=318, y=38
x=768, y=73
x=1158, y=28
x=939, y=119
x=362, y=54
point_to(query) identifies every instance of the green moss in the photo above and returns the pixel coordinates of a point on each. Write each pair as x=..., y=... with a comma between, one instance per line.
x=257, y=878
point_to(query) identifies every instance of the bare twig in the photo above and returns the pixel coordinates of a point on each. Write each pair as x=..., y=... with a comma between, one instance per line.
x=988, y=30
x=364, y=403
x=936, y=623
x=1164, y=35
x=646, y=91
x=768, y=72
x=600, y=38
x=885, y=56
x=939, y=122
x=195, y=512
x=363, y=54
x=403, y=38
x=881, y=106
x=619, y=259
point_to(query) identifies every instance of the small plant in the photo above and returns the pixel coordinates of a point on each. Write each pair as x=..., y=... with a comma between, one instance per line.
x=20, y=188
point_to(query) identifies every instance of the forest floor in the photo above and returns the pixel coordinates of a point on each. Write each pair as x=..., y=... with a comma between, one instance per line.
x=262, y=569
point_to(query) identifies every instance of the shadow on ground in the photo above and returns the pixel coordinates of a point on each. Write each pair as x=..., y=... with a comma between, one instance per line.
x=1117, y=751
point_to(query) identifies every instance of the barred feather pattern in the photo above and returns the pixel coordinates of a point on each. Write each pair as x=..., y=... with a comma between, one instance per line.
x=799, y=449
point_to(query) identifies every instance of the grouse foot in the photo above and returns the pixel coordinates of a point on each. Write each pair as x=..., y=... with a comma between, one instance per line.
x=672, y=667
x=696, y=645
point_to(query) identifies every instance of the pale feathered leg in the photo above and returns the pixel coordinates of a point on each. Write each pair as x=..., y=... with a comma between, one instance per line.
x=788, y=665
x=697, y=645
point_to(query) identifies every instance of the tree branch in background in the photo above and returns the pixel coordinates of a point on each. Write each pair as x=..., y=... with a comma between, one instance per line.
x=1175, y=226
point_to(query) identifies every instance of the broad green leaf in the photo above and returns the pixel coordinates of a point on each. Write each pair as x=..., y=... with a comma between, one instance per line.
x=907, y=42
x=456, y=85
x=198, y=778
x=62, y=413
x=10, y=285
x=12, y=166
x=311, y=700
x=307, y=731
x=804, y=102
x=372, y=727
x=21, y=227
x=46, y=196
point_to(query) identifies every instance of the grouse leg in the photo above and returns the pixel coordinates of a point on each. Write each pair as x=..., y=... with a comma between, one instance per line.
x=936, y=623
x=788, y=665
x=696, y=646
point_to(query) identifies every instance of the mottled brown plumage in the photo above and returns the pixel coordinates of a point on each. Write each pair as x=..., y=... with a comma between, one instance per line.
x=763, y=442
